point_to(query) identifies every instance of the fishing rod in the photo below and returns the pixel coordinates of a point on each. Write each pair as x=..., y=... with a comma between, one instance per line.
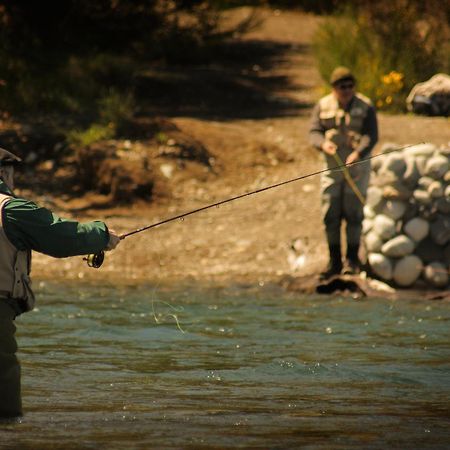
x=96, y=260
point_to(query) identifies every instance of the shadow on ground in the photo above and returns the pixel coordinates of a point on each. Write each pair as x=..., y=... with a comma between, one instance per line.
x=241, y=83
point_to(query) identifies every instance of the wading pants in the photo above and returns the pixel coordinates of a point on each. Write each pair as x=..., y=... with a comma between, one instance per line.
x=10, y=398
x=339, y=202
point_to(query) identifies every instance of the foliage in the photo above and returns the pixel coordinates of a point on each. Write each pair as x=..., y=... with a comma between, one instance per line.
x=63, y=56
x=389, y=45
x=94, y=133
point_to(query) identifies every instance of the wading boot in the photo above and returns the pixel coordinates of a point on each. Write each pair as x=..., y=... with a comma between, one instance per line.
x=352, y=262
x=334, y=265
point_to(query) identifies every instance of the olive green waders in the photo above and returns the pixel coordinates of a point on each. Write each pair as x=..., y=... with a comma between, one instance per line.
x=10, y=398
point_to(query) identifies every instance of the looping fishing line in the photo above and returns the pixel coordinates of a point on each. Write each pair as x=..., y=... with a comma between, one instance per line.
x=160, y=317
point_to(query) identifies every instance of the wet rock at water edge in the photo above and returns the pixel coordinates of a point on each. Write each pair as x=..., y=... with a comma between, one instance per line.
x=436, y=274
x=381, y=265
x=407, y=270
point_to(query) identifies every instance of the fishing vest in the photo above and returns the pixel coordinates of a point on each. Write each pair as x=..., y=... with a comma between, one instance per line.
x=343, y=127
x=15, y=266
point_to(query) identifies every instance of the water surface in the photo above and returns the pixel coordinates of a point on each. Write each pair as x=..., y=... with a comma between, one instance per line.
x=253, y=368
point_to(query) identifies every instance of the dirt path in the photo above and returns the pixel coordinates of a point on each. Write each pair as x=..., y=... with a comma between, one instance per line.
x=248, y=240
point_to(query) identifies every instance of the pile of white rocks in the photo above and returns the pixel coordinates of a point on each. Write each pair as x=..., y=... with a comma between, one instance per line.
x=406, y=228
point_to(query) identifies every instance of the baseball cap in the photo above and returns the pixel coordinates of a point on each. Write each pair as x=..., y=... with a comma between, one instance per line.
x=8, y=159
x=341, y=73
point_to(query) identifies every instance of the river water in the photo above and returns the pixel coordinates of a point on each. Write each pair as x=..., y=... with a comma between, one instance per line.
x=144, y=367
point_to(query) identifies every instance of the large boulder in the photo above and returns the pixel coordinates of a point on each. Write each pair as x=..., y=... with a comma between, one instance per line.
x=431, y=97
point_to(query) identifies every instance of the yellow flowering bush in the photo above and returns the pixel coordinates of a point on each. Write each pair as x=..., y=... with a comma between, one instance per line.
x=390, y=95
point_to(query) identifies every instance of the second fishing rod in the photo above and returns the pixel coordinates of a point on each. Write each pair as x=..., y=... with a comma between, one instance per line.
x=96, y=260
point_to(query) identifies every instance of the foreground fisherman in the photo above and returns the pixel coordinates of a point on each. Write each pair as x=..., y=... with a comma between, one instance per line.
x=24, y=226
x=344, y=127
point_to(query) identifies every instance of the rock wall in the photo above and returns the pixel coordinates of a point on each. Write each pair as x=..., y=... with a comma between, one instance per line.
x=406, y=228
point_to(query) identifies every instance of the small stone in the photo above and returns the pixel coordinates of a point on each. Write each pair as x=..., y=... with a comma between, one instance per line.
x=373, y=242
x=417, y=229
x=425, y=182
x=435, y=189
x=396, y=191
x=394, y=163
x=380, y=265
x=425, y=149
x=436, y=274
x=394, y=209
x=384, y=226
x=398, y=246
x=421, y=162
x=407, y=270
x=437, y=166
x=422, y=197
x=374, y=196
x=447, y=192
x=446, y=177
x=411, y=175
x=369, y=213
x=366, y=225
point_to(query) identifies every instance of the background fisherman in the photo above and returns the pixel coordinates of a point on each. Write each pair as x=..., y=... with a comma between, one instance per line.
x=25, y=226
x=344, y=127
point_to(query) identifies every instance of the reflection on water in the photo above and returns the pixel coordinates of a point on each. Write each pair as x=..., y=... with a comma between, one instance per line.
x=254, y=368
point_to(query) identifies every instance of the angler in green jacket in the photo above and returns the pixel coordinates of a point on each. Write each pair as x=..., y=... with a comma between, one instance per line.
x=25, y=226
x=344, y=128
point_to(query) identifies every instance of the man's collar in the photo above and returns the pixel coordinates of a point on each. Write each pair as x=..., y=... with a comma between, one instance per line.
x=4, y=189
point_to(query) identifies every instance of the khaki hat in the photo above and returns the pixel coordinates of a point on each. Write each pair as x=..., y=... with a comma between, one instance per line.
x=341, y=73
x=8, y=158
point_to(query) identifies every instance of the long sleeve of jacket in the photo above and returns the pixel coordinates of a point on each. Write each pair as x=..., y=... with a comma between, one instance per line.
x=316, y=130
x=31, y=227
x=369, y=133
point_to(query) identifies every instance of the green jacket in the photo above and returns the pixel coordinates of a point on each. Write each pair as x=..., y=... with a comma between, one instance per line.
x=31, y=227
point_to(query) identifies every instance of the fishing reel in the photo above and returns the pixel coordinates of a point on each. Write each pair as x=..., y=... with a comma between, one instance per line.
x=95, y=260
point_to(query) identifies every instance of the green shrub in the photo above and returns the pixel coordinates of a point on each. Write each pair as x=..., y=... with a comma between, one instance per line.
x=390, y=46
x=116, y=108
x=96, y=132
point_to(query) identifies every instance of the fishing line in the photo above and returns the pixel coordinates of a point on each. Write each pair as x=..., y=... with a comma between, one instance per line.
x=161, y=316
x=258, y=191
x=96, y=260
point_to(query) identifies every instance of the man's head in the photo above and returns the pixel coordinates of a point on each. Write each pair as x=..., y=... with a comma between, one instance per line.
x=343, y=82
x=7, y=162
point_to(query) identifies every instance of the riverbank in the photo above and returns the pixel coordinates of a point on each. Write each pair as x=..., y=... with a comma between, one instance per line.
x=249, y=240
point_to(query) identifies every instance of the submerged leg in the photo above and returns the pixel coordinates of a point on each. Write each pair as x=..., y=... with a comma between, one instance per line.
x=10, y=397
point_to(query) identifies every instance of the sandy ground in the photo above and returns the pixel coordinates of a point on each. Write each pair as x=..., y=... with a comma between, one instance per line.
x=248, y=240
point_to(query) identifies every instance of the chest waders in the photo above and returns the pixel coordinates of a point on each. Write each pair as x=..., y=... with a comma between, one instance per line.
x=343, y=192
